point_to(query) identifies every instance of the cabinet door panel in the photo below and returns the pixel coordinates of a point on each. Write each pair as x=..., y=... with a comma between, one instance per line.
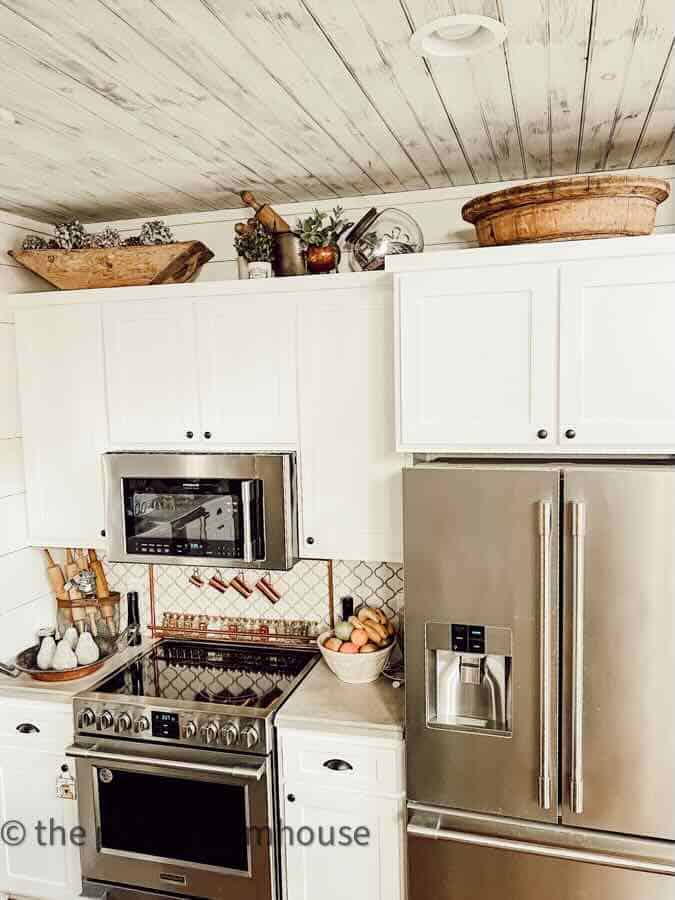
x=477, y=358
x=60, y=356
x=151, y=372
x=617, y=365
x=38, y=867
x=368, y=872
x=350, y=470
x=247, y=366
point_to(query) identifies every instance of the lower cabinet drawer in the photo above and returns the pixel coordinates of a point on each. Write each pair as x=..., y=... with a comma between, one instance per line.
x=36, y=725
x=373, y=765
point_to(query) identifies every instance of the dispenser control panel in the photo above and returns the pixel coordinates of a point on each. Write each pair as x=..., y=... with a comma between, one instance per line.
x=468, y=638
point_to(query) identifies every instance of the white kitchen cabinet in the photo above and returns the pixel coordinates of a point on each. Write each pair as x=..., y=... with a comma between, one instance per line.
x=344, y=823
x=206, y=373
x=246, y=359
x=350, y=470
x=617, y=365
x=477, y=358
x=150, y=372
x=30, y=764
x=62, y=395
x=370, y=870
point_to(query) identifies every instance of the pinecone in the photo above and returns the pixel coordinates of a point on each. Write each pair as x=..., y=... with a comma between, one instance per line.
x=71, y=235
x=156, y=232
x=109, y=237
x=133, y=241
x=34, y=242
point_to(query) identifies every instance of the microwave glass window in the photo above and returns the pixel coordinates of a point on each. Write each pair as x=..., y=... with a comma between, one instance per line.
x=200, y=518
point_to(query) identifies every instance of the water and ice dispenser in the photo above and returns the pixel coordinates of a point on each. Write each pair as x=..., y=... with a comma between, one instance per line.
x=469, y=677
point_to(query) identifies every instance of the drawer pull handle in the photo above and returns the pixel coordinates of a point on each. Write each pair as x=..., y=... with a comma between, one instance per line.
x=338, y=765
x=27, y=728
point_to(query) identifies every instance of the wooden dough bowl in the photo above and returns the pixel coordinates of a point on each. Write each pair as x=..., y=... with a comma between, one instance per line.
x=72, y=270
x=567, y=209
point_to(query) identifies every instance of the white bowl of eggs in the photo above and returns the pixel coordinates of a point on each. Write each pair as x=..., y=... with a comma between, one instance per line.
x=358, y=650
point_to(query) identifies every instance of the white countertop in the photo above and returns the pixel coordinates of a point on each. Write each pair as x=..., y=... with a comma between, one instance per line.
x=324, y=703
x=25, y=687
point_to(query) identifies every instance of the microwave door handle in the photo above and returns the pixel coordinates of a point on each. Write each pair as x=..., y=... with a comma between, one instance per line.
x=246, y=498
x=578, y=529
x=545, y=655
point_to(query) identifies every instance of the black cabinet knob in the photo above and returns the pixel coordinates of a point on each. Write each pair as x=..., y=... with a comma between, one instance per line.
x=103, y=532
x=310, y=540
x=570, y=433
x=291, y=798
x=207, y=435
x=542, y=434
x=189, y=434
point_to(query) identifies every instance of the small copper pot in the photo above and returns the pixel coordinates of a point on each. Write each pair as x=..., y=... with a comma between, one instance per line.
x=321, y=260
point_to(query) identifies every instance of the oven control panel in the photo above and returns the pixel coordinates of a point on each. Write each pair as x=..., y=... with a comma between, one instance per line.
x=178, y=727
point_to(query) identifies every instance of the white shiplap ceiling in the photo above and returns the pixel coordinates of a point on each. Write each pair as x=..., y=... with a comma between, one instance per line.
x=128, y=108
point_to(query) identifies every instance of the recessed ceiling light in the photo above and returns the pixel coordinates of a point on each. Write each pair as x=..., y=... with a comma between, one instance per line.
x=462, y=35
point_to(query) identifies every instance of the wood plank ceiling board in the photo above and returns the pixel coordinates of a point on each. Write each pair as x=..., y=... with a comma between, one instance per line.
x=124, y=67
x=630, y=45
x=373, y=37
x=659, y=121
x=305, y=64
x=194, y=36
x=546, y=47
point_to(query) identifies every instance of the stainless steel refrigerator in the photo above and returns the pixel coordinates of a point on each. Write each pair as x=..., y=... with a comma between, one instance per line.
x=540, y=681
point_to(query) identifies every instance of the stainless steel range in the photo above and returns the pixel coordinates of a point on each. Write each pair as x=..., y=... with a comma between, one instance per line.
x=176, y=773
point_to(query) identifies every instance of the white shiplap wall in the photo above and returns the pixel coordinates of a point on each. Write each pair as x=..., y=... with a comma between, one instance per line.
x=25, y=601
x=438, y=212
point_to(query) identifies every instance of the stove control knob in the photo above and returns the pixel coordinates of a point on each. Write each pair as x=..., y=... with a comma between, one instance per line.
x=142, y=724
x=250, y=736
x=230, y=734
x=190, y=731
x=106, y=721
x=210, y=732
x=87, y=718
x=123, y=723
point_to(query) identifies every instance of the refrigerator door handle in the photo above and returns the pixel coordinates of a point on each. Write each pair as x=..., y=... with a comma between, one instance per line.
x=578, y=529
x=423, y=825
x=545, y=655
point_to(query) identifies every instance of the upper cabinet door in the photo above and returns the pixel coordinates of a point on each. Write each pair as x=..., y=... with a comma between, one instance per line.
x=247, y=371
x=60, y=357
x=617, y=365
x=151, y=372
x=477, y=367
x=350, y=471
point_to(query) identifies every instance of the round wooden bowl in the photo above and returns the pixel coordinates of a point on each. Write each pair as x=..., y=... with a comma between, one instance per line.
x=567, y=209
x=26, y=661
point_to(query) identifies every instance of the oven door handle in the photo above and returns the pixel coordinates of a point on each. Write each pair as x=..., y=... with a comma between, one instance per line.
x=255, y=773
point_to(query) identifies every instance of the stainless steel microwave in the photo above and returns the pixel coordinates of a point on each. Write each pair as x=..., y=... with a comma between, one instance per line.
x=235, y=510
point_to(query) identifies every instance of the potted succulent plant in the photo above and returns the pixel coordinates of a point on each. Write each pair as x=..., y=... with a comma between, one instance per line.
x=320, y=233
x=254, y=244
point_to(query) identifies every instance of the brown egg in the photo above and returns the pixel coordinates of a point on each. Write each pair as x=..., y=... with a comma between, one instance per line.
x=359, y=637
x=333, y=643
x=348, y=647
x=368, y=648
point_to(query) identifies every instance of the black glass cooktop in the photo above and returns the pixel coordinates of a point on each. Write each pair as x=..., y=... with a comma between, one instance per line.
x=229, y=674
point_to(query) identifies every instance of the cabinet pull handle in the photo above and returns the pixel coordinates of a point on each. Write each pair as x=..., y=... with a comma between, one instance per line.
x=545, y=656
x=578, y=528
x=338, y=765
x=27, y=728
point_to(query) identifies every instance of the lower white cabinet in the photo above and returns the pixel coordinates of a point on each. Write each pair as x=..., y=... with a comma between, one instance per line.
x=42, y=865
x=343, y=815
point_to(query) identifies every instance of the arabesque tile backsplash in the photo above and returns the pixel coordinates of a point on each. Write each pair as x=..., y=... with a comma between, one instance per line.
x=305, y=590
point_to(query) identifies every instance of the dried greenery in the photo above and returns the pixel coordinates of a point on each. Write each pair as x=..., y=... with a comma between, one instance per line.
x=74, y=236
x=315, y=231
x=254, y=245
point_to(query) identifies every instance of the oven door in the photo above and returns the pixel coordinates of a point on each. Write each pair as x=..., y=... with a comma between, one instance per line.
x=190, y=823
x=233, y=510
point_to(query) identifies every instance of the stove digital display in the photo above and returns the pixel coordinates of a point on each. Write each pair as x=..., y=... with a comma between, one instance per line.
x=165, y=725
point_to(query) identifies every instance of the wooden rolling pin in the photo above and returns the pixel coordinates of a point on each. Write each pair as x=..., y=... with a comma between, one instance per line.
x=72, y=569
x=56, y=577
x=102, y=590
x=268, y=218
